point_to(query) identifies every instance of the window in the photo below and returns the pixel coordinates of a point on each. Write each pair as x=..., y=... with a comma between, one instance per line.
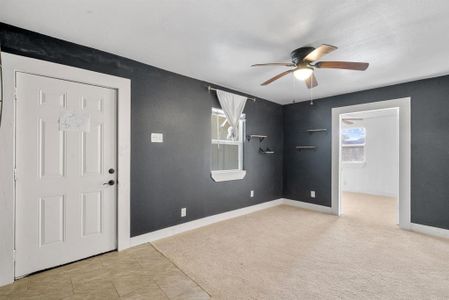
x=226, y=152
x=353, y=144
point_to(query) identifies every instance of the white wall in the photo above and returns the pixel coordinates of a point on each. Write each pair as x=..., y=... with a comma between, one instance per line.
x=379, y=175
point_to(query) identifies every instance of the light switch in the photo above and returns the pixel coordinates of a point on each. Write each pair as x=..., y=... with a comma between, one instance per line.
x=157, y=137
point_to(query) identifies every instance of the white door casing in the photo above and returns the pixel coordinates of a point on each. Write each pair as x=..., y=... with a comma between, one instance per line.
x=12, y=66
x=404, y=153
x=65, y=146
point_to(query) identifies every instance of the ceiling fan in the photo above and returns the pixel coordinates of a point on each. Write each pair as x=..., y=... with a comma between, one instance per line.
x=304, y=62
x=350, y=121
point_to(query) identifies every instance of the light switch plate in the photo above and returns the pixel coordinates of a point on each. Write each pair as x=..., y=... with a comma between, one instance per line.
x=157, y=137
x=312, y=194
x=183, y=212
x=251, y=194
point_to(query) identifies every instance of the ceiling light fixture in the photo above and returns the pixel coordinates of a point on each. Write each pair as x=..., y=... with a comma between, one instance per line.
x=303, y=73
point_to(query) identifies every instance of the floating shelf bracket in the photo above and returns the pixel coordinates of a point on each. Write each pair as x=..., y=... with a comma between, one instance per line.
x=316, y=130
x=266, y=151
x=305, y=148
x=255, y=136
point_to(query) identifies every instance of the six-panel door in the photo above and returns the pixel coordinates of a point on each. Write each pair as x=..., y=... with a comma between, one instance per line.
x=65, y=161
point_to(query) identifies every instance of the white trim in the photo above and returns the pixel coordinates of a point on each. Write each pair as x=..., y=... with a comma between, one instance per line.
x=173, y=230
x=227, y=175
x=237, y=174
x=226, y=142
x=430, y=230
x=404, y=153
x=15, y=63
x=309, y=206
x=177, y=229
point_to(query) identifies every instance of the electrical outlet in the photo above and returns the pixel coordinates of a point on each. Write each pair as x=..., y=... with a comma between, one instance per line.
x=183, y=212
x=251, y=194
x=312, y=194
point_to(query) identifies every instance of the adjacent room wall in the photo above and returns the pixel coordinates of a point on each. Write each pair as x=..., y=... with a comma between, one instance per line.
x=379, y=173
x=166, y=177
x=311, y=170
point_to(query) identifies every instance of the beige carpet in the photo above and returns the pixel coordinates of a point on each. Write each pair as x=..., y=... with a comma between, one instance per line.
x=290, y=253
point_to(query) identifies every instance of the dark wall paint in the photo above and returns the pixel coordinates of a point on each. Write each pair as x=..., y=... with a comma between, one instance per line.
x=166, y=177
x=175, y=174
x=309, y=170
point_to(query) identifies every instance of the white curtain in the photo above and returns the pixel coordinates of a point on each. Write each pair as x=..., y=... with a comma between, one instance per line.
x=232, y=106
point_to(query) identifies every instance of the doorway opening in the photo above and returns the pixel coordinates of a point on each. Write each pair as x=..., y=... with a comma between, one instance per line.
x=402, y=106
x=369, y=163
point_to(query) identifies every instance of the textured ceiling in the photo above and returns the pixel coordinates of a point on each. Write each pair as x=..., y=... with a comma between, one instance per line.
x=218, y=40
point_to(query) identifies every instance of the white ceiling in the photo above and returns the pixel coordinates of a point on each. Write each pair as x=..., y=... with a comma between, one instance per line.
x=218, y=40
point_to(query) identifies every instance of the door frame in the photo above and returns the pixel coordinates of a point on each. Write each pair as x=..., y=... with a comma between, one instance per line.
x=404, y=154
x=12, y=64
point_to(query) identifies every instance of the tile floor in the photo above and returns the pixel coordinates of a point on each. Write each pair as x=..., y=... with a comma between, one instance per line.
x=137, y=273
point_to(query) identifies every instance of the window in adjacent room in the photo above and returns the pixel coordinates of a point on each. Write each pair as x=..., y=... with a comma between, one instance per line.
x=353, y=142
x=227, y=150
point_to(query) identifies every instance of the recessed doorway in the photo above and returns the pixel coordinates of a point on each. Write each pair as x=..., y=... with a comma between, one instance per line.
x=402, y=106
x=369, y=160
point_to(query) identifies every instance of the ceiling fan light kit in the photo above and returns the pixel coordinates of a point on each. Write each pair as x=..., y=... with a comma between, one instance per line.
x=304, y=62
x=303, y=73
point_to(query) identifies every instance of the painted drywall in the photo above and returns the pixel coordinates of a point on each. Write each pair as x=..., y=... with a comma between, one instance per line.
x=379, y=173
x=166, y=177
x=311, y=170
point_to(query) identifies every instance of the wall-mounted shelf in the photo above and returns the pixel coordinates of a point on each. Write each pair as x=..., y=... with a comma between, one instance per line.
x=266, y=151
x=316, y=130
x=260, y=137
x=305, y=148
x=255, y=136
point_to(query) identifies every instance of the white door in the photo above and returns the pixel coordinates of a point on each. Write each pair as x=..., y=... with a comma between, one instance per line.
x=65, y=157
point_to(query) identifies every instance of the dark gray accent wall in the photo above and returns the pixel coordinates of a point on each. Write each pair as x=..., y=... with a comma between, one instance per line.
x=311, y=170
x=166, y=177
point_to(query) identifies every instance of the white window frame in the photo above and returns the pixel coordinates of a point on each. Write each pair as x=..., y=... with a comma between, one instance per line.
x=235, y=174
x=359, y=162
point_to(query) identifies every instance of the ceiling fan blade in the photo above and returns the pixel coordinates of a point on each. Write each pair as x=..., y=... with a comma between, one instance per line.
x=311, y=82
x=278, y=76
x=274, y=64
x=348, y=65
x=319, y=52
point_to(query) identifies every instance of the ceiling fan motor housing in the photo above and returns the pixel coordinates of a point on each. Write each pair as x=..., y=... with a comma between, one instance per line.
x=298, y=55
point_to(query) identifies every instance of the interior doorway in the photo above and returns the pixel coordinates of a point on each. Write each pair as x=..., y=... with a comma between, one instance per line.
x=369, y=162
x=404, y=161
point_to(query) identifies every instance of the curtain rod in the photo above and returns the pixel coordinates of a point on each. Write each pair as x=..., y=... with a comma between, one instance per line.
x=209, y=88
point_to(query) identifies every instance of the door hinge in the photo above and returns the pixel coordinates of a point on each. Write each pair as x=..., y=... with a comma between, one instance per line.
x=14, y=254
x=15, y=174
x=15, y=94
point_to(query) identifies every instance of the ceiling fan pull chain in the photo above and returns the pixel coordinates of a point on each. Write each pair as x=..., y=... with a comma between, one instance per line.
x=311, y=98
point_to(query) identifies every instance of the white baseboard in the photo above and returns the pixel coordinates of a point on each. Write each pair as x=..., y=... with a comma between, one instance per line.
x=309, y=206
x=173, y=230
x=430, y=230
x=169, y=231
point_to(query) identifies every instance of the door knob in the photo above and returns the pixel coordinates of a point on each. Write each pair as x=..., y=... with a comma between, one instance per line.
x=110, y=182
